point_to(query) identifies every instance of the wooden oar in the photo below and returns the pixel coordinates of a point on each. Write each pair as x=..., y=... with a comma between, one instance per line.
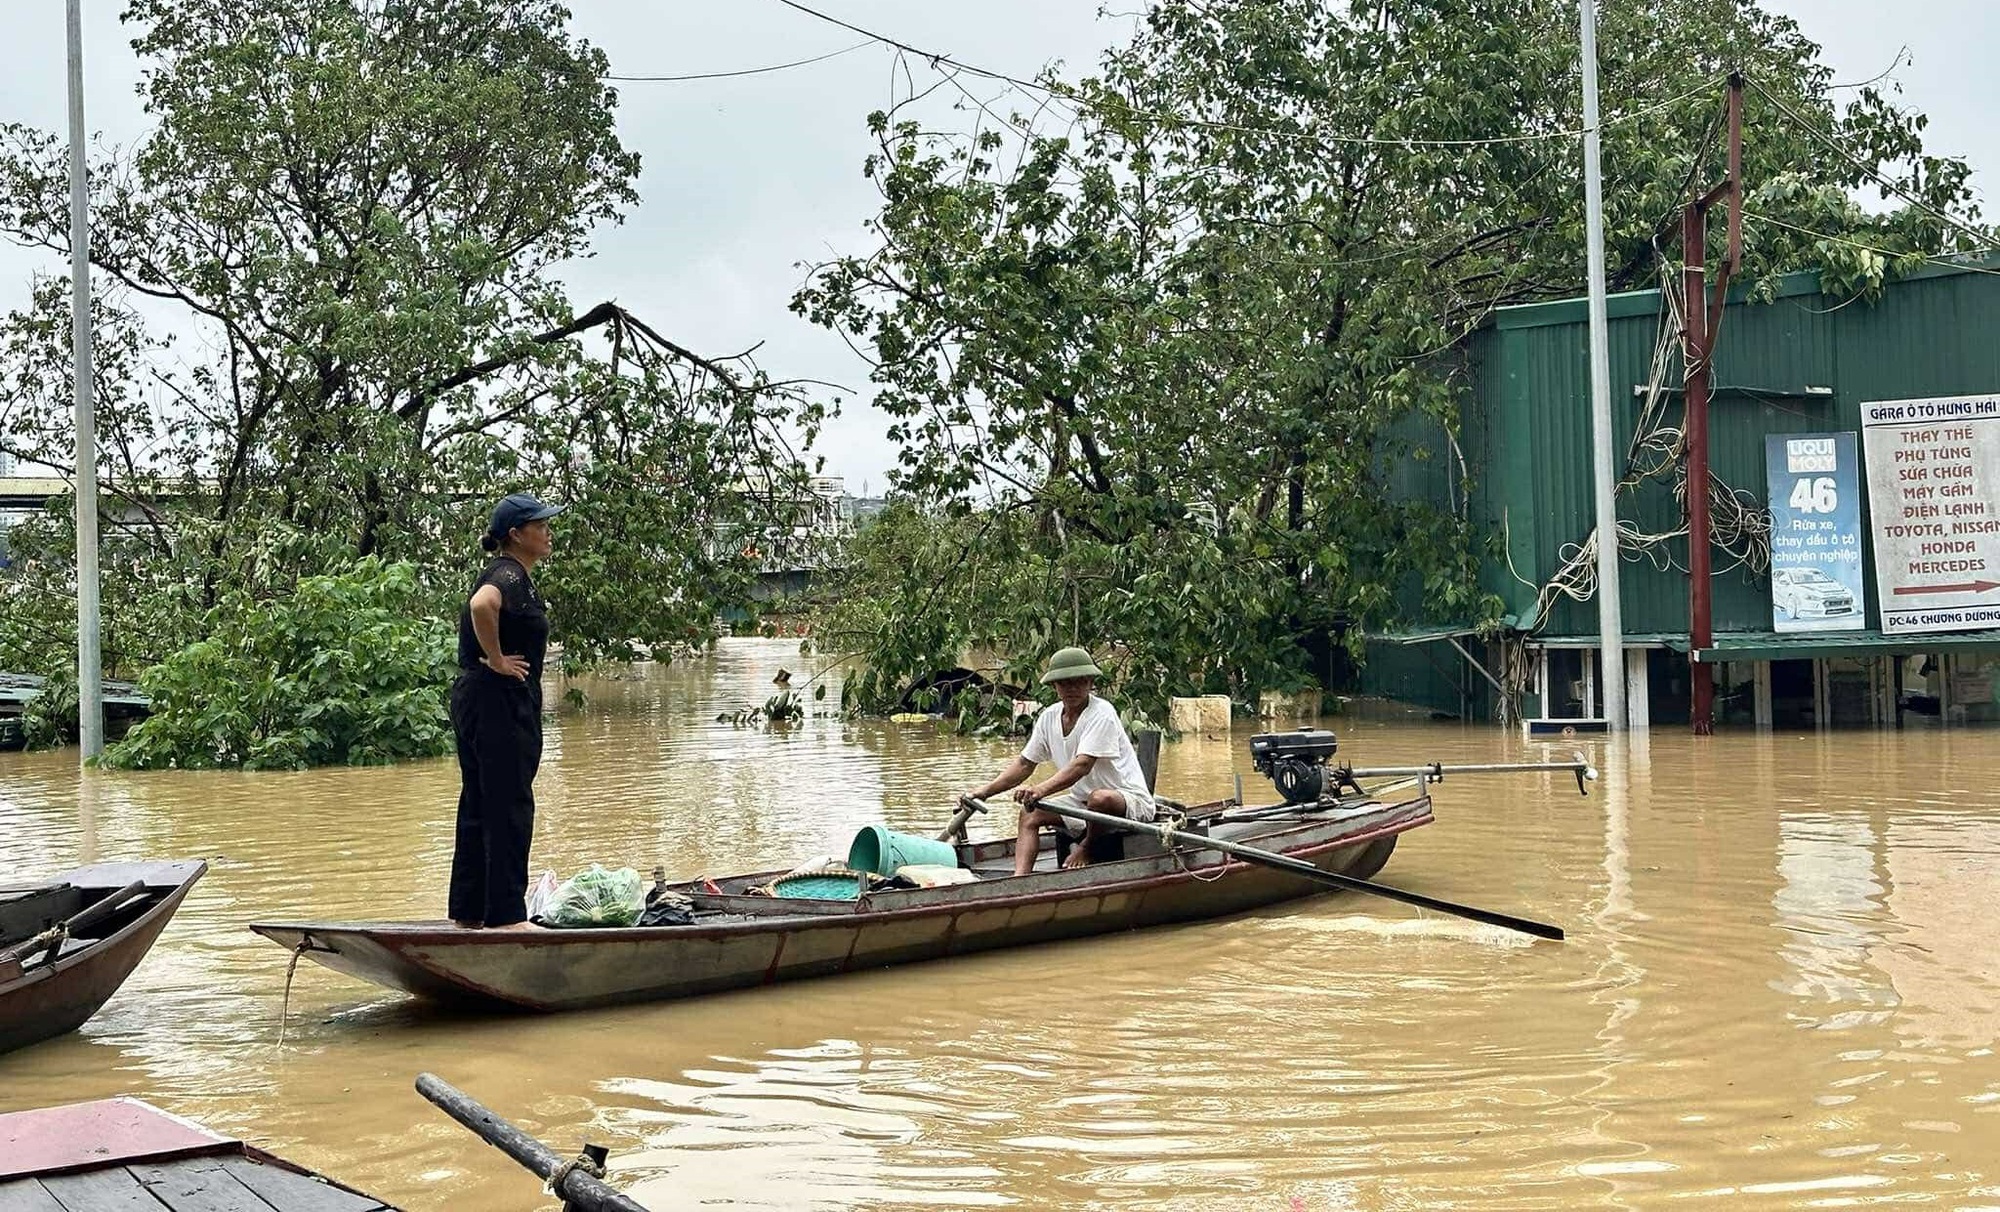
x=1282, y=862
x=90, y=915
x=966, y=807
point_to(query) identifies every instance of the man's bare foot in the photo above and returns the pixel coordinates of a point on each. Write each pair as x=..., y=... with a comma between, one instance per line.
x=518, y=926
x=1077, y=858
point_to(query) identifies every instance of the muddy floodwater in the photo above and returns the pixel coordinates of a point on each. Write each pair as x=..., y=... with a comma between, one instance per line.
x=1781, y=986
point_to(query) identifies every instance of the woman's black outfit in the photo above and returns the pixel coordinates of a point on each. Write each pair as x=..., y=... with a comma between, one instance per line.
x=497, y=720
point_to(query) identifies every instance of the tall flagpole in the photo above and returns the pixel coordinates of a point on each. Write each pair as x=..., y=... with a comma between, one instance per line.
x=1610, y=608
x=89, y=672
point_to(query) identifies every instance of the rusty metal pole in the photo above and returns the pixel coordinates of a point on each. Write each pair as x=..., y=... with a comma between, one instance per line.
x=1703, y=327
x=1734, y=256
x=1695, y=352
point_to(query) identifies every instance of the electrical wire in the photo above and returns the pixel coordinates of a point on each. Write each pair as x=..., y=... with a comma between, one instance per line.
x=1953, y=260
x=1902, y=54
x=1834, y=145
x=747, y=71
x=938, y=58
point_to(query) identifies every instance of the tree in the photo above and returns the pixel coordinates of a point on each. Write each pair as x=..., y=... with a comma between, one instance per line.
x=1171, y=335
x=346, y=668
x=331, y=312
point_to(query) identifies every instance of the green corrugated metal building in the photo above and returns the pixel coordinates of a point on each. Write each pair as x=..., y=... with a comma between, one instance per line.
x=1795, y=361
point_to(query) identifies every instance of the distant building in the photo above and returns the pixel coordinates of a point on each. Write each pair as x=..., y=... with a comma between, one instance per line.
x=819, y=524
x=858, y=512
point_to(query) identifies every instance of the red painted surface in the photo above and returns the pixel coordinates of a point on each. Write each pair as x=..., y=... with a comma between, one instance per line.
x=84, y=1136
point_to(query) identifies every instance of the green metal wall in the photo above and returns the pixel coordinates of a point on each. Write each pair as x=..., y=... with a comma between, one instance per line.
x=1527, y=443
x=1935, y=333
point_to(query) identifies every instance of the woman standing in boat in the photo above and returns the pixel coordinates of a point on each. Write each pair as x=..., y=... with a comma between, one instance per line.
x=496, y=717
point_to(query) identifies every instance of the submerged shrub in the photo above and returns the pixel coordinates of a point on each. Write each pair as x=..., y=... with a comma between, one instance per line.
x=350, y=668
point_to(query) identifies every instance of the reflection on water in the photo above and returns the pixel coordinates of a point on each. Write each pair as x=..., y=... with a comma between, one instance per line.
x=1781, y=986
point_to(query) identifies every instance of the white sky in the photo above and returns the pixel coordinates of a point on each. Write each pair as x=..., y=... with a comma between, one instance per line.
x=745, y=180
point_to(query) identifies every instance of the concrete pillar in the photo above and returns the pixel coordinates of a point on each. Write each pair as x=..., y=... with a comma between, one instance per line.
x=1760, y=694
x=1637, y=688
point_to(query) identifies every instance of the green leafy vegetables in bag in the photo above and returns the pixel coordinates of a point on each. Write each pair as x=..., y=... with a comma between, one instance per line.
x=597, y=897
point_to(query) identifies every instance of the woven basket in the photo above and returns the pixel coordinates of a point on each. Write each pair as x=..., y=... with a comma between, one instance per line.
x=823, y=884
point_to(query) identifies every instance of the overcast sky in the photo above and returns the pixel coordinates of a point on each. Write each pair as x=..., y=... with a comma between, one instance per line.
x=745, y=180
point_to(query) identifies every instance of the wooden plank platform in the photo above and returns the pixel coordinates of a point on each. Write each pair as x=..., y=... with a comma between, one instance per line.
x=125, y=1155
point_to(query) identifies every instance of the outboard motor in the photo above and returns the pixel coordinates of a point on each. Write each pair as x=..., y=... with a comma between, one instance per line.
x=1295, y=762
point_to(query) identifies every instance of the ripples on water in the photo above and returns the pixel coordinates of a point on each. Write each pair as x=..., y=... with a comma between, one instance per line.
x=1779, y=988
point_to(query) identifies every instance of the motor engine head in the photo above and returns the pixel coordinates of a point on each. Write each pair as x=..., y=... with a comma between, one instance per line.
x=1295, y=762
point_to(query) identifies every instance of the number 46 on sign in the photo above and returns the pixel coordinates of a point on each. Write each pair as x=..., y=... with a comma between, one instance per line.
x=1814, y=495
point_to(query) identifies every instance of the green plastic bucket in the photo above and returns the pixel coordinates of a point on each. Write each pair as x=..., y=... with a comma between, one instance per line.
x=883, y=850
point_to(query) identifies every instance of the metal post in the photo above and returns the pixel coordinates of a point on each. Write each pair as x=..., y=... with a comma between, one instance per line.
x=1610, y=606
x=577, y=1189
x=1703, y=323
x=1695, y=351
x=89, y=671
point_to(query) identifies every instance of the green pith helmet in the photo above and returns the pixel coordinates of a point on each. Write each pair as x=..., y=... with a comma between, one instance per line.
x=1071, y=663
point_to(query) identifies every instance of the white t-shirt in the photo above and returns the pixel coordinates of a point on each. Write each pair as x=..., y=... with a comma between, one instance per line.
x=1098, y=733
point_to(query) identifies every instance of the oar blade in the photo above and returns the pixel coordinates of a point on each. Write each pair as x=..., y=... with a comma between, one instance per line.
x=1284, y=862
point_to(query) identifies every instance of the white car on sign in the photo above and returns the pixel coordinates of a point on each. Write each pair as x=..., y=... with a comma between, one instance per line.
x=1808, y=593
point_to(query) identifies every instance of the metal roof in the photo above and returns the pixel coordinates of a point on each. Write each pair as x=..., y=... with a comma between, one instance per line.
x=1772, y=646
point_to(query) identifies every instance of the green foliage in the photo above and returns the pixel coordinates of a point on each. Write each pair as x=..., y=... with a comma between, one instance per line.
x=784, y=707
x=349, y=668
x=1148, y=367
x=359, y=207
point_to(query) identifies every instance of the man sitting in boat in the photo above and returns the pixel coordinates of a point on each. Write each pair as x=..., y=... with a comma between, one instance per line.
x=1082, y=737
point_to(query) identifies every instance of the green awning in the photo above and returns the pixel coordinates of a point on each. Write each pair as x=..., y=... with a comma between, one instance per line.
x=1805, y=646
x=1677, y=641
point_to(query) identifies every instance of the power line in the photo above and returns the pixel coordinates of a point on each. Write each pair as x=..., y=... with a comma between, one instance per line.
x=938, y=59
x=1871, y=173
x=1902, y=54
x=748, y=71
x=1935, y=258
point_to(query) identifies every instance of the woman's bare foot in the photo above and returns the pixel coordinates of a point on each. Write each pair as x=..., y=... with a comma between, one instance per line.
x=518, y=926
x=468, y=925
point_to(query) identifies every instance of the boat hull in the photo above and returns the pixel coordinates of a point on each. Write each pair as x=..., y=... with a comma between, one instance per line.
x=58, y=998
x=781, y=941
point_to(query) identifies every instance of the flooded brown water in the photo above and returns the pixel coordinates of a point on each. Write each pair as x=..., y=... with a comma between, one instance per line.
x=1781, y=986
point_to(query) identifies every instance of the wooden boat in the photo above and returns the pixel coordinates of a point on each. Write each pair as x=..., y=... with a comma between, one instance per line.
x=121, y=1154
x=66, y=946
x=739, y=939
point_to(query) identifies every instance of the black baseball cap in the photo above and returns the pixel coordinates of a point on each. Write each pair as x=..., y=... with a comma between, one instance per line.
x=518, y=509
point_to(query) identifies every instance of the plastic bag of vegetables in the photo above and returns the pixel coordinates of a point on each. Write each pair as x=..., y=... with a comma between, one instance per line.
x=597, y=897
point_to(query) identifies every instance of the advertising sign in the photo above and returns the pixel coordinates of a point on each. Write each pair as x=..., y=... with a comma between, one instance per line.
x=1815, y=488
x=1934, y=490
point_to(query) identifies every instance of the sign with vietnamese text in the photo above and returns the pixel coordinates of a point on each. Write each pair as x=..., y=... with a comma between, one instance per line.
x=1934, y=490
x=1815, y=487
